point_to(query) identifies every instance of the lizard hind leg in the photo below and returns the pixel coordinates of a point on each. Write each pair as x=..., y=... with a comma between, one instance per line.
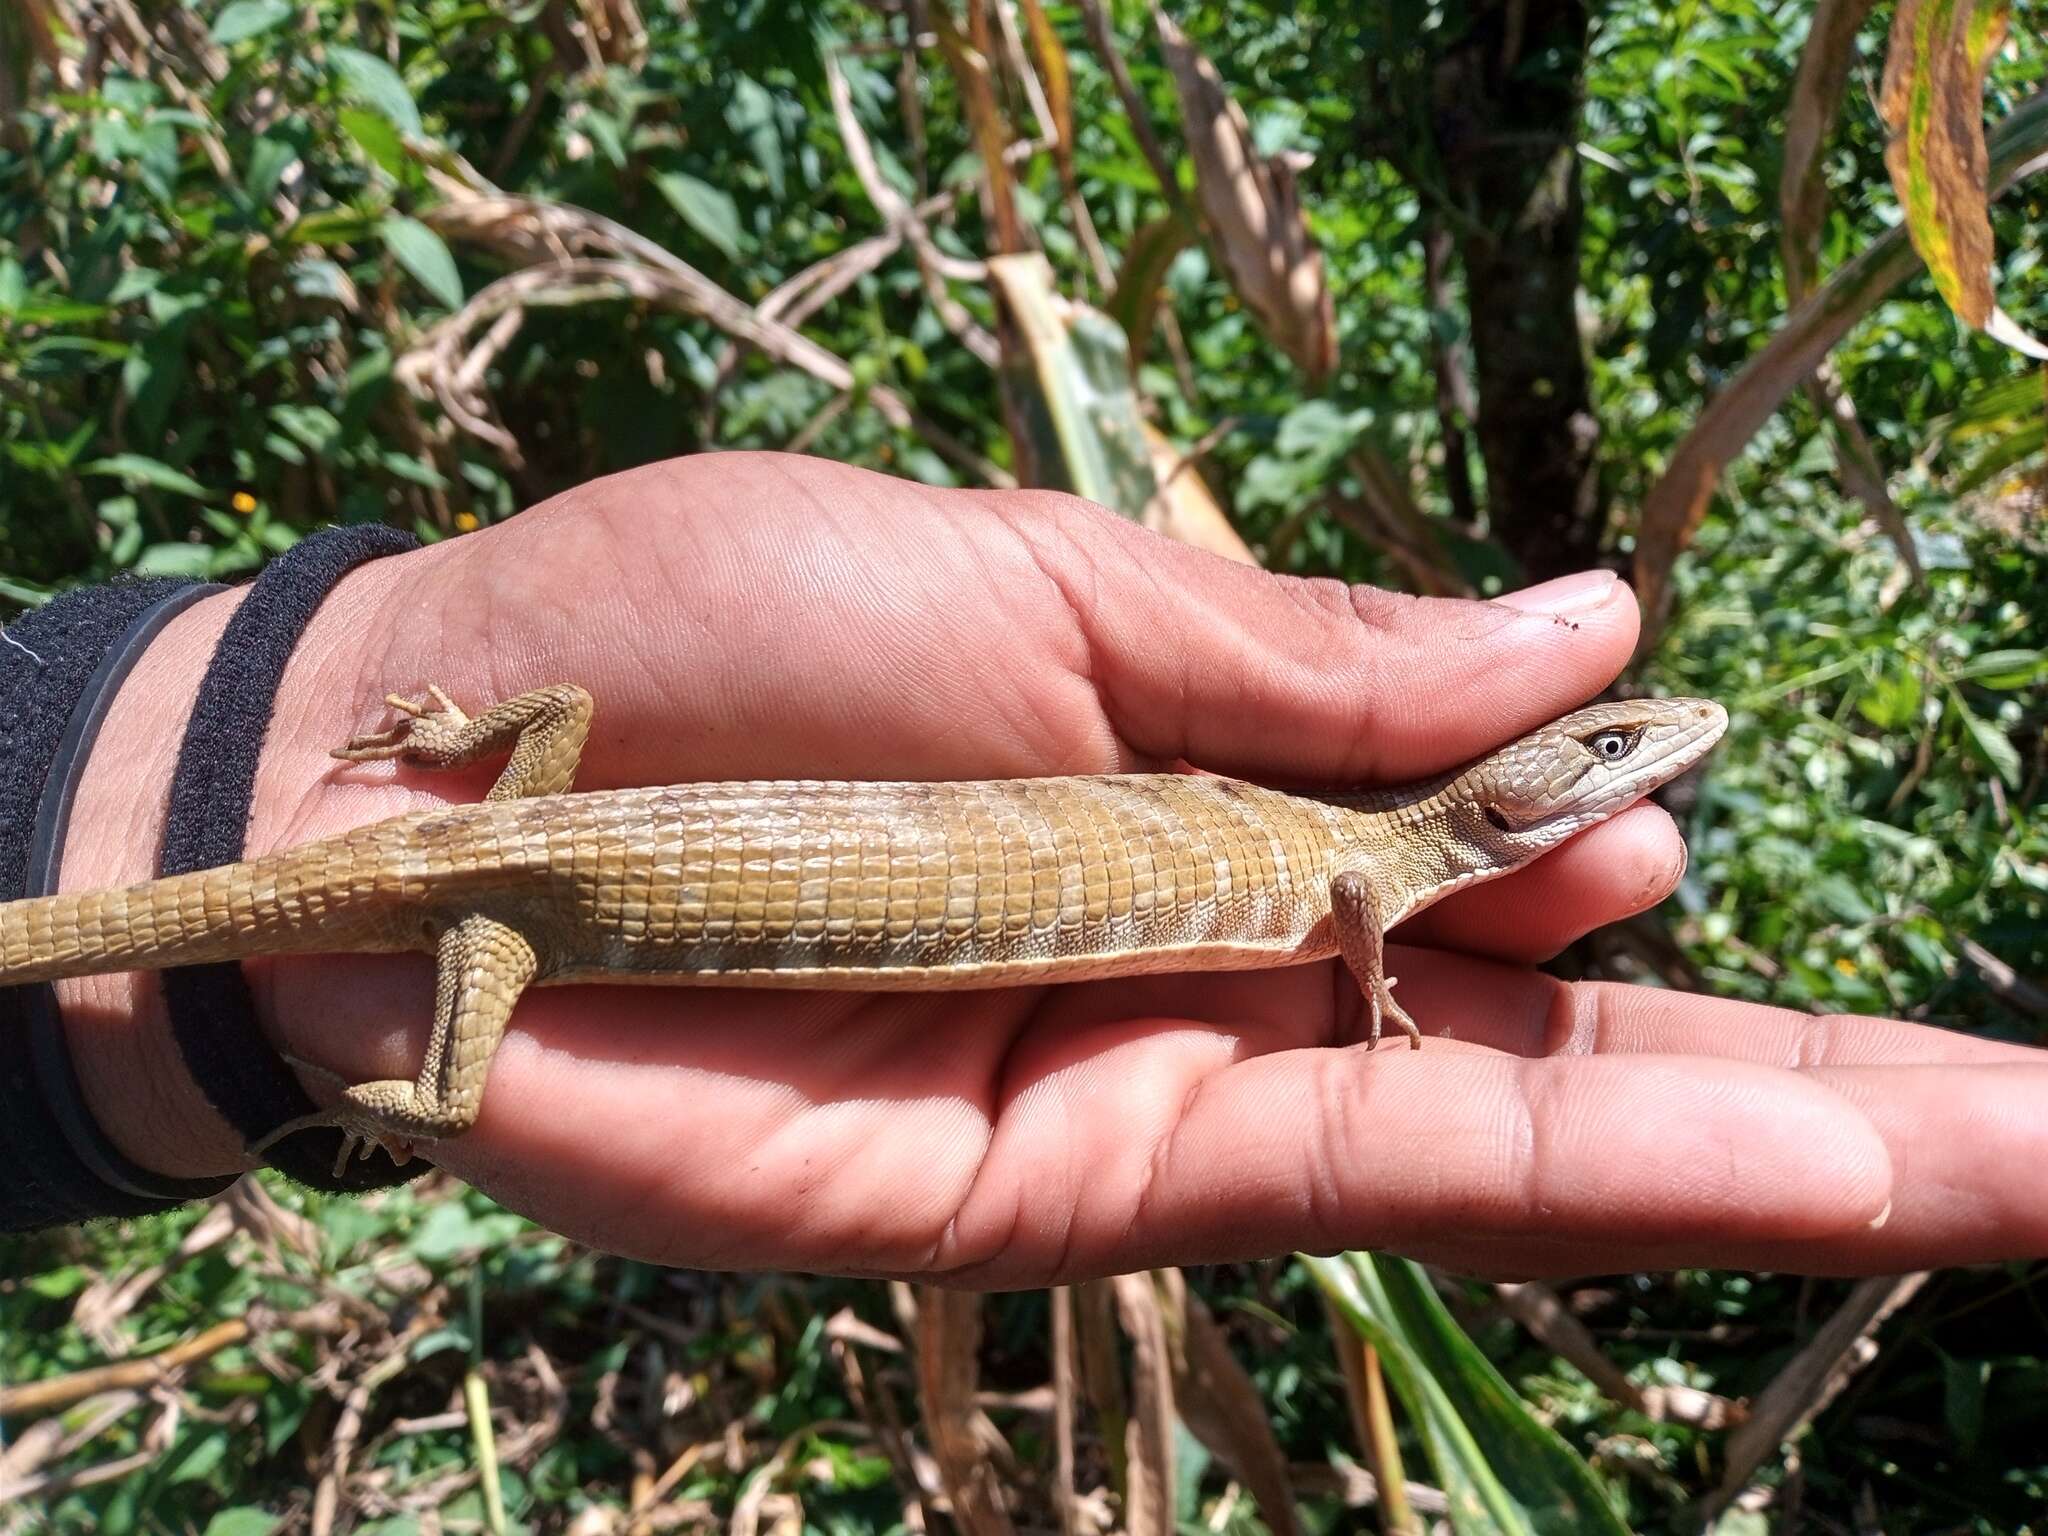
x=542, y=730
x=1361, y=940
x=482, y=966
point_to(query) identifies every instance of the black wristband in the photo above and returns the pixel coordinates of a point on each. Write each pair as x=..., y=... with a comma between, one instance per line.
x=212, y=1014
x=59, y=670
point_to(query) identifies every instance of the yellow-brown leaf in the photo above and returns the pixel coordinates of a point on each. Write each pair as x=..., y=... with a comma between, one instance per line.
x=1933, y=103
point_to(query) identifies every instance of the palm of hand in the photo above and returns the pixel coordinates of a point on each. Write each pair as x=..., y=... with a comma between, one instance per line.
x=751, y=617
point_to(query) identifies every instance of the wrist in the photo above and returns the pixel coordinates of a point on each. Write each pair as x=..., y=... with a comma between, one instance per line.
x=127, y=1058
x=115, y=1026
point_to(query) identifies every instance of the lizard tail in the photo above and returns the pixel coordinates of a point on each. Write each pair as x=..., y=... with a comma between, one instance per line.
x=210, y=914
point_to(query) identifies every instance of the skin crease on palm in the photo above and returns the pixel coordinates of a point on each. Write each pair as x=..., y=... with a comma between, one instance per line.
x=760, y=615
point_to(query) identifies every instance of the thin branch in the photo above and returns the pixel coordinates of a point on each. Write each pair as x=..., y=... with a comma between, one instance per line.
x=933, y=265
x=551, y=238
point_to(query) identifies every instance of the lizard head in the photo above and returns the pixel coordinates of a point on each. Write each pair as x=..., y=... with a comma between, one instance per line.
x=1583, y=768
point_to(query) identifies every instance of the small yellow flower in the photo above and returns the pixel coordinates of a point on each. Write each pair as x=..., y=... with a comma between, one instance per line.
x=465, y=522
x=1845, y=965
x=242, y=502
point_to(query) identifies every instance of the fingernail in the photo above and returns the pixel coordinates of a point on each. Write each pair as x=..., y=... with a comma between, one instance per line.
x=1562, y=594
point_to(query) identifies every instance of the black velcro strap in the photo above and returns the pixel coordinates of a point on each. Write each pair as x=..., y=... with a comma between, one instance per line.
x=212, y=1014
x=59, y=669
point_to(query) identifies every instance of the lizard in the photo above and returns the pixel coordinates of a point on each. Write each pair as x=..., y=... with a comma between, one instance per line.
x=839, y=884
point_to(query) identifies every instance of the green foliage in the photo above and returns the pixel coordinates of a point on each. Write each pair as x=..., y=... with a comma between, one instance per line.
x=1873, y=813
x=1505, y=1472
x=207, y=295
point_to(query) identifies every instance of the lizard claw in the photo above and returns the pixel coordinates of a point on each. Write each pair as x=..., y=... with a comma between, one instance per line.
x=359, y=1137
x=394, y=739
x=1381, y=1005
x=357, y=1142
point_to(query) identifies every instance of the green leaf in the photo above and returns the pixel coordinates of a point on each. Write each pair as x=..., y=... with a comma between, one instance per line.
x=2004, y=669
x=241, y=20
x=404, y=466
x=1840, y=896
x=1151, y=252
x=604, y=132
x=189, y=560
x=123, y=515
x=1892, y=702
x=1963, y=1391
x=246, y=1520
x=368, y=79
x=375, y=135
x=1318, y=431
x=331, y=226
x=751, y=114
x=193, y=1460
x=452, y=1231
x=704, y=208
x=26, y=593
x=135, y=283
x=135, y=469
x=56, y=1284
x=1505, y=1470
x=314, y=278
x=313, y=426
x=1997, y=750
x=426, y=256
x=269, y=159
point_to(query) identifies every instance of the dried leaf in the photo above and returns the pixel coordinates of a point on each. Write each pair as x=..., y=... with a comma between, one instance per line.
x=1816, y=97
x=1220, y=1405
x=948, y=1346
x=1064, y=1393
x=1102, y=1376
x=972, y=78
x=1058, y=78
x=1148, y=1437
x=1933, y=103
x=1067, y=389
x=1802, y=193
x=1253, y=215
x=1184, y=509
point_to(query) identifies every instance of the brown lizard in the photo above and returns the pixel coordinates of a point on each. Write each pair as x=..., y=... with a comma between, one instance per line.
x=851, y=885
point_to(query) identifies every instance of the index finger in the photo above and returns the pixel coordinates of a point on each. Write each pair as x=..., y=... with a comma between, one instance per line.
x=1241, y=670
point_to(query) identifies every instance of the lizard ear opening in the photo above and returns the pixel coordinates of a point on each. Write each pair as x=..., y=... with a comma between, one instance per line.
x=1499, y=822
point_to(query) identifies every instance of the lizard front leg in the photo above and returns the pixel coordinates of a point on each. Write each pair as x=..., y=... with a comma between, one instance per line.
x=1361, y=940
x=543, y=730
x=482, y=967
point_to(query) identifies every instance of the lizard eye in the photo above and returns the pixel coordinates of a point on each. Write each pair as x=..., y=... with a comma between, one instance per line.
x=1612, y=746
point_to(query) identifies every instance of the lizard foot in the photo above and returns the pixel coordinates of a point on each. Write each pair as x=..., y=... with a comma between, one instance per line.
x=360, y=1124
x=1380, y=1002
x=357, y=1138
x=409, y=734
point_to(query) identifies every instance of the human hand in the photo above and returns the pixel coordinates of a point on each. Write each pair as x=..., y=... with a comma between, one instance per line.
x=748, y=616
